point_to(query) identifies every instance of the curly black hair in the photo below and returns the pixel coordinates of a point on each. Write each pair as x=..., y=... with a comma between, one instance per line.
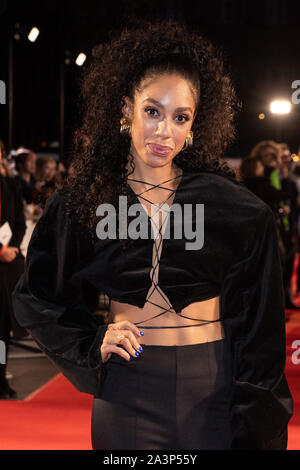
x=100, y=154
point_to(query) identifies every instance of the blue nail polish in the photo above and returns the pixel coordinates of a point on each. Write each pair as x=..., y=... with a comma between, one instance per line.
x=142, y=334
x=140, y=349
x=137, y=354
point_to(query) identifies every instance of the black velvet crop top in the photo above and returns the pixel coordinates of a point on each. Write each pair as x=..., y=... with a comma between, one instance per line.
x=238, y=261
x=156, y=297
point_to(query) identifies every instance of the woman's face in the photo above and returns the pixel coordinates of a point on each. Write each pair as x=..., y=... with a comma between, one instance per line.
x=30, y=163
x=49, y=170
x=268, y=156
x=162, y=115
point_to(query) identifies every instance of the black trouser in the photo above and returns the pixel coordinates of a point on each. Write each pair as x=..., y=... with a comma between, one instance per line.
x=9, y=275
x=169, y=397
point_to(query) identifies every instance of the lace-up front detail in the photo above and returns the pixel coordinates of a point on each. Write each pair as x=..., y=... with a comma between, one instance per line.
x=155, y=295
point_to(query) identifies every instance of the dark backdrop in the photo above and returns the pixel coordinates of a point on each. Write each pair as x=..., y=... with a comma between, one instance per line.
x=260, y=40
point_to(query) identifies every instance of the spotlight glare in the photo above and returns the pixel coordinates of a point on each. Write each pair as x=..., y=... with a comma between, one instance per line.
x=33, y=34
x=80, y=59
x=280, y=107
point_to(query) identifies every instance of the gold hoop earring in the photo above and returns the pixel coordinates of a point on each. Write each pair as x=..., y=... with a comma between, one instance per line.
x=125, y=128
x=188, y=140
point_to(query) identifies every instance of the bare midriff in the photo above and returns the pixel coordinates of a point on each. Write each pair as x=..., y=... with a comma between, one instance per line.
x=207, y=310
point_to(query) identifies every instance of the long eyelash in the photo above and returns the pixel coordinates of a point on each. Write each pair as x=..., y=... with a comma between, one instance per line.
x=186, y=117
x=183, y=115
x=149, y=109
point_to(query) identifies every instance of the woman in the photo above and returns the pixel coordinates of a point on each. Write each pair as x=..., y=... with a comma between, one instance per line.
x=194, y=354
x=45, y=179
x=252, y=175
x=12, y=229
x=26, y=168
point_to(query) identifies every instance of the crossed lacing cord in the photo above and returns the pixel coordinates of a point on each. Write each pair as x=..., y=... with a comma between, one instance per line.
x=156, y=261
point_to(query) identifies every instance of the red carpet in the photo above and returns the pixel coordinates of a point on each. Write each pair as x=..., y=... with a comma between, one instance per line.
x=293, y=377
x=293, y=370
x=58, y=417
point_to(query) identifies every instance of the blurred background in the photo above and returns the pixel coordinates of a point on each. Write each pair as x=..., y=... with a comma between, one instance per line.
x=260, y=40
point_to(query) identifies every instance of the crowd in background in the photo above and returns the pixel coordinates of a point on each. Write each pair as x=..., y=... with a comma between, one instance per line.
x=38, y=176
x=27, y=181
x=271, y=173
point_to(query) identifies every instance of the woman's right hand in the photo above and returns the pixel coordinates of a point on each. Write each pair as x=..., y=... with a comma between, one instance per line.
x=130, y=342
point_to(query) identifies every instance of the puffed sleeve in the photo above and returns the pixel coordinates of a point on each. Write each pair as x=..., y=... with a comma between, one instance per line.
x=48, y=303
x=254, y=324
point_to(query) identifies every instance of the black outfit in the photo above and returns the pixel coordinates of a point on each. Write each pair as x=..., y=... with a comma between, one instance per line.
x=290, y=245
x=239, y=261
x=164, y=400
x=261, y=186
x=289, y=195
x=11, y=212
x=27, y=188
x=40, y=197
